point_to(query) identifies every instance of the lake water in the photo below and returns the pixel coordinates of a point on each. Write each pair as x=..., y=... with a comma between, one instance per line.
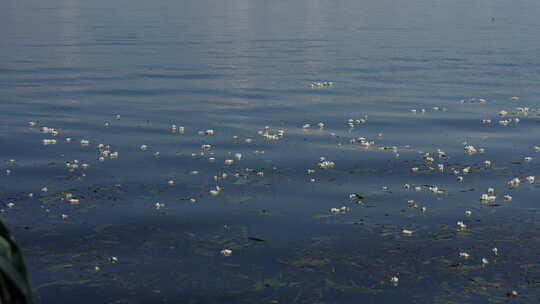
x=150, y=225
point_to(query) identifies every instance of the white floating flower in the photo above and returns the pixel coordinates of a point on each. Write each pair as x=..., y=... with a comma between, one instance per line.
x=226, y=252
x=229, y=162
x=339, y=210
x=468, y=213
x=159, y=205
x=143, y=147
x=530, y=179
x=113, y=259
x=238, y=156
x=44, y=189
x=407, y=232
x=495, y=251
x=485, y=261
x=326, y=164
x=10, y=205
x=394, y=280
x=504, y=123
x=513, y=183
x=528, y=159
x=487, y=163
x=216, y=191
x=85, y=142
x=488, y=198
x=461, y=225
x=470, y=149
x=464, y=255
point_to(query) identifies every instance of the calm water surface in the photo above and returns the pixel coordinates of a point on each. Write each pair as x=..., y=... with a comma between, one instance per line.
x=121, y=73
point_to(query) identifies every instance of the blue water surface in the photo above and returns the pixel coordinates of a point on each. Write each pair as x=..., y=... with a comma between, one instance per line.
x=416, y=77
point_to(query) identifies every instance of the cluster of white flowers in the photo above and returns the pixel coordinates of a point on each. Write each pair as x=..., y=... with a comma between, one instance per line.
x=321, y=84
